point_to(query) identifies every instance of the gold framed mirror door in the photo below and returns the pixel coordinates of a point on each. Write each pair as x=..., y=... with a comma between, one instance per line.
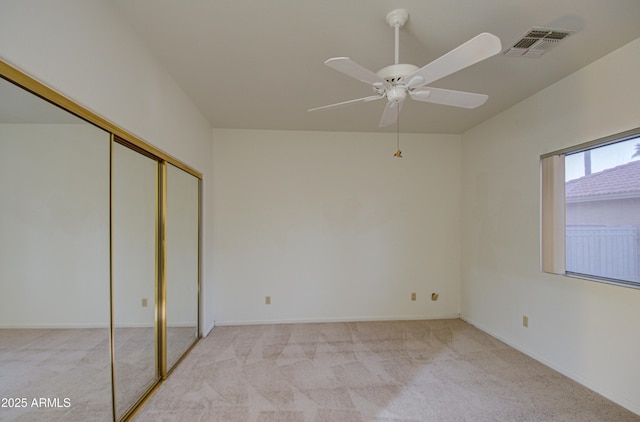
x=182, y=240
x=134, y=275
x=54, y=262
x=99, y=258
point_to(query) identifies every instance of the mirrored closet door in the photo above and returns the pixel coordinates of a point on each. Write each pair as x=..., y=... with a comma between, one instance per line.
x=55, y=359
x=182, y=245
x=99, y=260
x=134, y=205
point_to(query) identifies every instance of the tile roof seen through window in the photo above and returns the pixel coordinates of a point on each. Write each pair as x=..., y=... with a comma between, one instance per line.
x=620, y=181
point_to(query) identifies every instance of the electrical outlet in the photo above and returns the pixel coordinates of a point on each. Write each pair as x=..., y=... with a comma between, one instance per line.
x=413, y=296
x=267, y=300
x=525, y=321
x=434, y=296
x=144, y=302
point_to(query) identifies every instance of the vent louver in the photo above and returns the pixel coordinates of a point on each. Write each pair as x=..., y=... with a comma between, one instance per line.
x=536, y=41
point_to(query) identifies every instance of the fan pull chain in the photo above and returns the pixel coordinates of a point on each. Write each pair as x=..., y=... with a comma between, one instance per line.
x=398, y=153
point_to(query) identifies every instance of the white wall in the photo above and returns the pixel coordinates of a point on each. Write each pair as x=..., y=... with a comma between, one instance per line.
x=333, y=227
x=134, y=200
x=85, y=51
x=54, y=230
x=587, y=330
x=181, y=239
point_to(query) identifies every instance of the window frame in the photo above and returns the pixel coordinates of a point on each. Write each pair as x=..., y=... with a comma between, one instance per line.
x=553, y=209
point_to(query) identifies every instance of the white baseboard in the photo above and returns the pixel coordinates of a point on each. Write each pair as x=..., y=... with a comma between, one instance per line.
x=181, y=325
x=329, y=320
x=51, y=326
x=134, y=325
x=590, y=384
x=89, y=325
x=207, y=330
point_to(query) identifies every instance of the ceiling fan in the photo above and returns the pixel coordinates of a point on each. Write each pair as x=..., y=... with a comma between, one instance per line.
x=398, y=80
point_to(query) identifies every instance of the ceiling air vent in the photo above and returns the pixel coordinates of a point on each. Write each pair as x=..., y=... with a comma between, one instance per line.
x=536, y=41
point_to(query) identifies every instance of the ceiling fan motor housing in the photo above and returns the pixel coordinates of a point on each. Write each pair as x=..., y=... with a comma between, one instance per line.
x=396, y=72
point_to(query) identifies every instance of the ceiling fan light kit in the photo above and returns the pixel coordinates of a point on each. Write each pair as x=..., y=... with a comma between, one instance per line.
x=398, y=81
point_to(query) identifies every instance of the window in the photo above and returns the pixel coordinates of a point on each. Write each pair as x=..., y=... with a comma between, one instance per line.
x=591, y=210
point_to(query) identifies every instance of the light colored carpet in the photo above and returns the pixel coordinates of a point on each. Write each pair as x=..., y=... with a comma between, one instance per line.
x=443, y=370
x=56, y=363
x=76, y=364
x=179, y=339
x=135, y=365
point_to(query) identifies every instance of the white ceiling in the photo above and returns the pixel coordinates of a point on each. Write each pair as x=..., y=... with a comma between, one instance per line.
x=257, y=64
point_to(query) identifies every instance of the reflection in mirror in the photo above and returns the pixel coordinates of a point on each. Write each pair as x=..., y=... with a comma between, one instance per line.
x=54, y=262
x=134, y=204
x=181, y=263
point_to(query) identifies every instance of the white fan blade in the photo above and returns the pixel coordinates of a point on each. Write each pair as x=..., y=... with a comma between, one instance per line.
x=344, y=103
x=390, y=113
x=449, y=97
x=353, y=69
x=479, y=48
